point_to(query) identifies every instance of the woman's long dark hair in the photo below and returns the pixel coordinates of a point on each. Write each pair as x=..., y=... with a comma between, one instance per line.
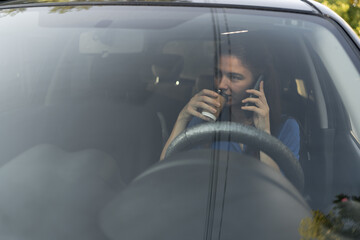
x=255, y=55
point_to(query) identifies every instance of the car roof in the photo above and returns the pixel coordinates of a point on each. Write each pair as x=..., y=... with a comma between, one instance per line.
x=283, y=5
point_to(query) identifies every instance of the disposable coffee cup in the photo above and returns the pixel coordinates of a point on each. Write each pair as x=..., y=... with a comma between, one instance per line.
x=221, y=99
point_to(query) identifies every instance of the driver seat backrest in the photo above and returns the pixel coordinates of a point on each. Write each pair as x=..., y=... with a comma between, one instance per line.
x=167, y=97
x=204, y=81
x=167, y=67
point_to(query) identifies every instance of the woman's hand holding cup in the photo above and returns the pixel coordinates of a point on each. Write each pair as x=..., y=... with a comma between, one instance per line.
x=206, y=105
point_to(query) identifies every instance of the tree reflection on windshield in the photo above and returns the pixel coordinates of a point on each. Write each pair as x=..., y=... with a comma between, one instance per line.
x=65, y=9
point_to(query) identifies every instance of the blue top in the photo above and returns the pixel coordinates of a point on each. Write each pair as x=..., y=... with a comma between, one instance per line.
x=289, y=134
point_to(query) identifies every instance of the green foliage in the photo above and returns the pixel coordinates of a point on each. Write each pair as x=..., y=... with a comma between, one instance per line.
x=64, y=9
x=342, y=222
x=349, y=10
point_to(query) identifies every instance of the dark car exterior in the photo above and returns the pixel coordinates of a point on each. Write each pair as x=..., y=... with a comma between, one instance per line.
x=89, y=94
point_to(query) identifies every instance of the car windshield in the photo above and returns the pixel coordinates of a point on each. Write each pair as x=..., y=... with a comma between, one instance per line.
x=92, y=97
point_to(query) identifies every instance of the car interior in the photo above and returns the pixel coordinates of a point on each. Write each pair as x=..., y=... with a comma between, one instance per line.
x=117, y=107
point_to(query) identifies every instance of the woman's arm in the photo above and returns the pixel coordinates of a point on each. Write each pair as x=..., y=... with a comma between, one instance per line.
x=290, y=136
x=261, y=118
x=268, y=160
x=203, y=100
x=179, y=126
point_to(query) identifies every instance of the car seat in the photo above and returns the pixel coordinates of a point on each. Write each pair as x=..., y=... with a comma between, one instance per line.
x=169, y=91
x=115, y=123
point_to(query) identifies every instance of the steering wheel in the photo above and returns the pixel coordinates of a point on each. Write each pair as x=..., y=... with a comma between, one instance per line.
x=248, y=135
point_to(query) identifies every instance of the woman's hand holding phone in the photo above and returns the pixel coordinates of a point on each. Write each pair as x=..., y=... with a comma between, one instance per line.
x=259, y=107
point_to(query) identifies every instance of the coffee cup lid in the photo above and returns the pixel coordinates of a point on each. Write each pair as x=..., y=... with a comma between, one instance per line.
x=221, y=92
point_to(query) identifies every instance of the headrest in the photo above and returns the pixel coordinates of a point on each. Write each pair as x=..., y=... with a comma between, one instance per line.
x=122, y=76
x=203, y=82
x=167, y=67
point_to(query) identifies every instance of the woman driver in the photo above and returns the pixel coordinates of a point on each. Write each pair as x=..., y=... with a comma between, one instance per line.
x=238, y=70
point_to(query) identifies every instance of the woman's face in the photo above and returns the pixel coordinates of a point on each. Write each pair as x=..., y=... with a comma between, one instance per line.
x=234, y=78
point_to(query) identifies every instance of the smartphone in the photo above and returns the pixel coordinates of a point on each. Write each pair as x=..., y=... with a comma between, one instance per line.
x=256, y=87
